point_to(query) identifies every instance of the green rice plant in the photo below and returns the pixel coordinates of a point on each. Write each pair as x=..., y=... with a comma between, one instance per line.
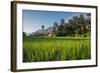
x=36, y=49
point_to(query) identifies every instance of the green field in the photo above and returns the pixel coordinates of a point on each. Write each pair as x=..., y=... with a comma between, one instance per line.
x=36, y=49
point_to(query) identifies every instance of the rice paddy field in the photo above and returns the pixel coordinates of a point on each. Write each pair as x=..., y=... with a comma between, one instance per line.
x=38, y=49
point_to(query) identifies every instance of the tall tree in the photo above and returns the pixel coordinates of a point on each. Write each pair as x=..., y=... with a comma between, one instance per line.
x=55, y=28
x=43, y=27
x=62, y=22
x=24, y=34
x=81, y=19
x=72, y=23
x=75, y=24
x=61, y=31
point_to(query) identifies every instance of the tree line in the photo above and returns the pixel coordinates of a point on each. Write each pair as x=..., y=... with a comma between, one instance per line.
x=76, y=26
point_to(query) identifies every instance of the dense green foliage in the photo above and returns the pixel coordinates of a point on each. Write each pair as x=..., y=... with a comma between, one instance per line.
x=37, y=49
x=77, y=25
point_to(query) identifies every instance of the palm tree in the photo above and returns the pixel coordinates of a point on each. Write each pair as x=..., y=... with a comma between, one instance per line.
x=62, y=22
x=55, y=28
x=43, y=28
